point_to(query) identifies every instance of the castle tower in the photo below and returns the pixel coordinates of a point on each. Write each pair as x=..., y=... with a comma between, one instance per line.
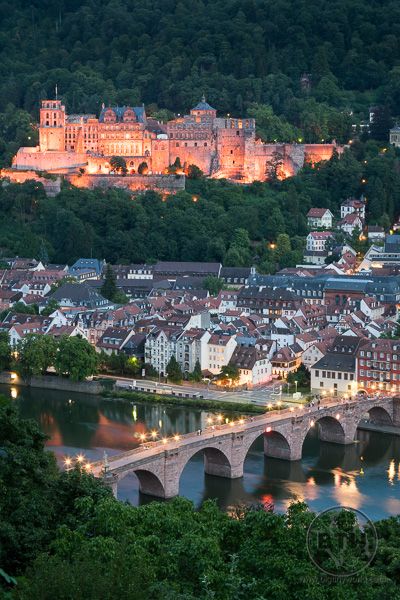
x=52, y=126
x=203, y=109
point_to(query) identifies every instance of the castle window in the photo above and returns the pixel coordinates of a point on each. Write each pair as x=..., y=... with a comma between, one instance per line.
x=205, y=144
x=195, y=144
x=238, y=132
x=231, y=151
x=177, y=144
x=185, y=144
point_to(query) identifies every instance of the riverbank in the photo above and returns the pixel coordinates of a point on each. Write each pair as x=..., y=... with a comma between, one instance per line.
x=202, y=403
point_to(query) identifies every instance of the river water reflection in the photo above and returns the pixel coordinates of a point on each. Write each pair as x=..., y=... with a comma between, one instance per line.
x=365, y=475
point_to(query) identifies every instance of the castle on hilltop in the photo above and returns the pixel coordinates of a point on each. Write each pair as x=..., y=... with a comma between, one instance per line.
x=82, y=145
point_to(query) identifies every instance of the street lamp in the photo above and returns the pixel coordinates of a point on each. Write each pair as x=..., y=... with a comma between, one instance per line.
x=68, y=463
x=295, y=383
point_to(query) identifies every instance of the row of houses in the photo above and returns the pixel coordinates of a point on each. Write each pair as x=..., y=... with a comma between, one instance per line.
x=266, y=328
x=320, y=242
x=354, y=364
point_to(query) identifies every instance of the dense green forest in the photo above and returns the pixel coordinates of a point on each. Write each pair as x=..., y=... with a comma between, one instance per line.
x=167, y=51
x=63, y=535
x=231, y=223
x=247, y=56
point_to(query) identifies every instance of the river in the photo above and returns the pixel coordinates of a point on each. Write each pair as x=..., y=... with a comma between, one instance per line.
x=365, y=475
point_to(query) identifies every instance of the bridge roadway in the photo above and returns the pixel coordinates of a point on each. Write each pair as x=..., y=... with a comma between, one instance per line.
x=159, y=465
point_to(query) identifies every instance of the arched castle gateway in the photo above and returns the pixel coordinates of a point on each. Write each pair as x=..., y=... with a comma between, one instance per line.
x=159, y=467
x=220, y=147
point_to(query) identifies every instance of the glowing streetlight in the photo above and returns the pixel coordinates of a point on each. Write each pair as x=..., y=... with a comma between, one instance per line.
x=164, y=440
x=269, y=406
x=88, y=467
x=241, y=421
x=219, y=418
x=176, y=438
x=67, y=463
x=153, y=434
x=337, y=416
x=80, y=458
x=142, y=437
x=209, y=420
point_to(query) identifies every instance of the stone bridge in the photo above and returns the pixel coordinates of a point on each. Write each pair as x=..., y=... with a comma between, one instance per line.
x=159, y=465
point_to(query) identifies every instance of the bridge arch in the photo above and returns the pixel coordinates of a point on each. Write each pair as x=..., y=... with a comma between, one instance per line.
x=149, y=483
x=379, y=415
x=276, y=444
x=329, y=428
x=216, y=461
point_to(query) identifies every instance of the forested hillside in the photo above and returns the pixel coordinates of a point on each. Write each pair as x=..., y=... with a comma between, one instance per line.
x=212, y=220
x=240, y=53
x=169, y=52
x=248, y=57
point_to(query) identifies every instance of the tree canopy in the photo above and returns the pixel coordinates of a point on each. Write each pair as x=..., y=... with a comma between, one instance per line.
x=262, y=223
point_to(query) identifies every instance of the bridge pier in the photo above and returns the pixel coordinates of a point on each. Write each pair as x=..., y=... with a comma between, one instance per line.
x=396, y=412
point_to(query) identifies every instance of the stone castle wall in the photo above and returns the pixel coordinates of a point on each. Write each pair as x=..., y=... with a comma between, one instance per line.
x=33, y=159
x=164, y=183
x=52, y=186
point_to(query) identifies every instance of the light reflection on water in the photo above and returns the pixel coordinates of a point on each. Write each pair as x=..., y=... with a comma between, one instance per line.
x=365, y=475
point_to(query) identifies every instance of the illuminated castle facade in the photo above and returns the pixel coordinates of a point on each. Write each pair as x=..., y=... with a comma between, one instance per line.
x=220, y=147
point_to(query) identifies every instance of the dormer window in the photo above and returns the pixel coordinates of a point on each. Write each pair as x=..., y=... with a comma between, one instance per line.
x=110, y=116
x=129, y=115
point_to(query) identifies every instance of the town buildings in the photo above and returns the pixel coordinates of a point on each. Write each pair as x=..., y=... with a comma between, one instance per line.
x=378, y=366
x=331, y=323
x=320, y=218
x=317, y=249
x=335, y=372
x=353, y=206
x=394, y=136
